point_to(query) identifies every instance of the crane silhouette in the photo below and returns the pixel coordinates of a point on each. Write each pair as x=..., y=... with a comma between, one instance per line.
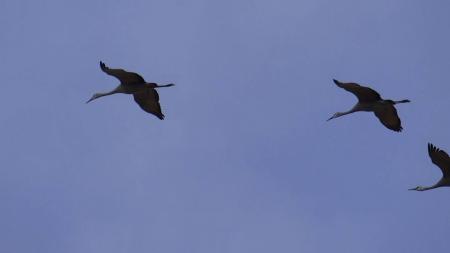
x=370, y=101
x=144, y=93
x=442, y=160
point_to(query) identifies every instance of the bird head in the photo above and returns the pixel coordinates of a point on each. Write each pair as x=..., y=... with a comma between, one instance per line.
x=418, y=188
x=95, y=96
x=338, y=114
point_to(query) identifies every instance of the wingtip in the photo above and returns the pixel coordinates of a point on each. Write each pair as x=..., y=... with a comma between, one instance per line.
x=432, y=148
x=397, y=130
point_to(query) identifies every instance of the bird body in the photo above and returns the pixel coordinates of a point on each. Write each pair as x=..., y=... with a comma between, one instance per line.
x=441, y=159
x=370, y=101
x=144, y=93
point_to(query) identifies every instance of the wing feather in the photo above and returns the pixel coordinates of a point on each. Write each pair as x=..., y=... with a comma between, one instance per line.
x=148, y=100
x=364, y=94
x=389, y=118
x=124, y=77
x=440, y=158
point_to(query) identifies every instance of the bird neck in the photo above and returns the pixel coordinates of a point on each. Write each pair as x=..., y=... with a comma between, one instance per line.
x=107, y=93
x=426, y=188
x=339, y=114
x=355, y=108
x=99, y=95
x=441, y=183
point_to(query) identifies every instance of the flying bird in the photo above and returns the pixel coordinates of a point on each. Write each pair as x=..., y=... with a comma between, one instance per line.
x=370, y=101
x=442, y=160
x=144, y=93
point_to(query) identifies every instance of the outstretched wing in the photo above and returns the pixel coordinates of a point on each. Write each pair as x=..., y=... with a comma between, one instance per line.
x=389, y=118
x=440, y=158
x=124, y=77
x=148, y=100
x=364, y=94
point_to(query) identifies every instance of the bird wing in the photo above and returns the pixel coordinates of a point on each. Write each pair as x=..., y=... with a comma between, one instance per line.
x=148, y=100
x=440, y=158
x=389, y=118
x=364, y=94
x=124, y=77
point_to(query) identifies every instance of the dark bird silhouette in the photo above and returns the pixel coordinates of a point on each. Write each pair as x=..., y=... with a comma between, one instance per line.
x=144, y=93
x=442, y=160
x=370, y=101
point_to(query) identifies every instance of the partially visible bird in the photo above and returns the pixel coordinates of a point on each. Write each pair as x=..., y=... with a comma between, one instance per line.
x=442, y=160
x=370, y=101
x=144, y=93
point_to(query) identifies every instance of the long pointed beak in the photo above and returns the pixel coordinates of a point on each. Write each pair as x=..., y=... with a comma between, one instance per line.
x=332, y=117
x=412, y=189
x=89, y=100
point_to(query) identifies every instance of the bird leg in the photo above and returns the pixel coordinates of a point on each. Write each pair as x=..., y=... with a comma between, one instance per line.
x=164, y=85
x=402, y=101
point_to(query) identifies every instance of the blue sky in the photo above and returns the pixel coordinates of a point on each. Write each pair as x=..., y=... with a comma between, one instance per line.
x=245, y=160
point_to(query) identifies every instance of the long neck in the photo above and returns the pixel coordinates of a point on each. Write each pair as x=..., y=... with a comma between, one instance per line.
x=426, y=188
x=339, y=114
x=98, y=95
x=354, y=109
x=106, y=93
x=441, y=183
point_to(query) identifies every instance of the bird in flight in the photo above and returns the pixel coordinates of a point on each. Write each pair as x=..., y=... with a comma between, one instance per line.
x=442, y=160
x=370, y=101
x=144, y=93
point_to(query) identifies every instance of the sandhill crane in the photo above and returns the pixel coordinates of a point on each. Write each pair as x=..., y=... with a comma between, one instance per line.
x=442, y=160
x=370, y=101
x=144, y=93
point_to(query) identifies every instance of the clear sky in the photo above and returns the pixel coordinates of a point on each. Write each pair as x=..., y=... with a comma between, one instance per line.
x=245, y=160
